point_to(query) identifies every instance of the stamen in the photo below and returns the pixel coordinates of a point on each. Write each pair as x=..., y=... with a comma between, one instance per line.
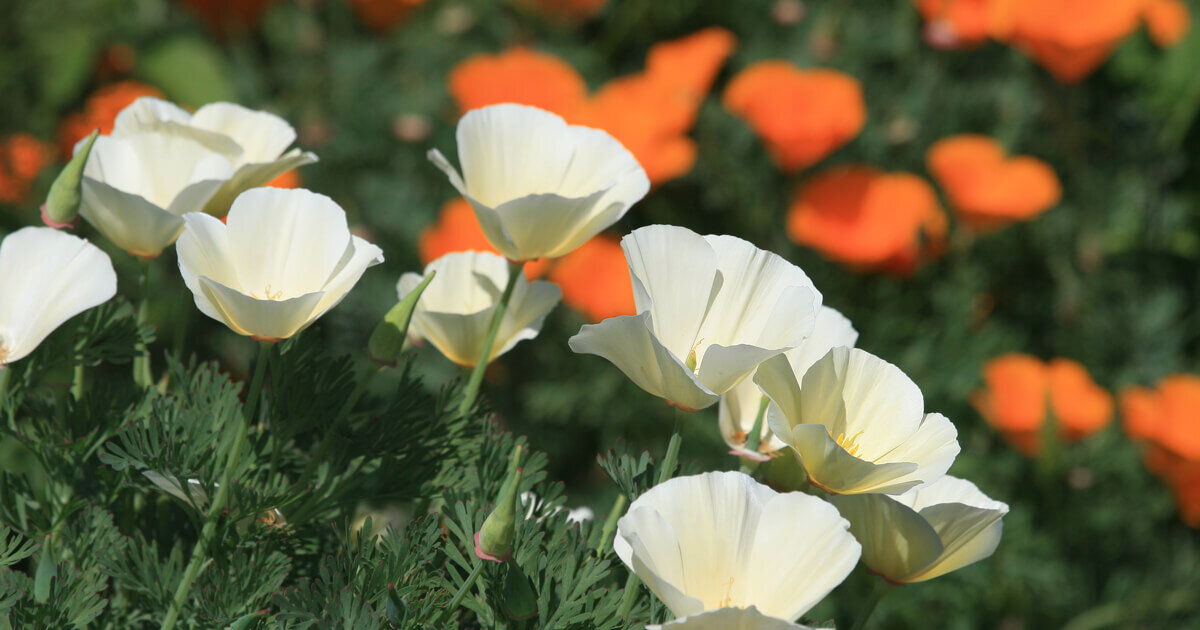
x=850, y=444
x=728, y=601
x=270, y=295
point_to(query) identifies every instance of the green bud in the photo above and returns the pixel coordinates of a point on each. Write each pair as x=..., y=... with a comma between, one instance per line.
x=396, y=609
x=494, y=540
x=388, y=338
x=61, y=209
x=520, y=602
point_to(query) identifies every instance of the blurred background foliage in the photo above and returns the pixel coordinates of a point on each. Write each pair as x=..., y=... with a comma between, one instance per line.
x=1108, y=277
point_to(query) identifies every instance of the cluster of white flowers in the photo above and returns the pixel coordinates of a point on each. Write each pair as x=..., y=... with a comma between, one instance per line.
x=718, y=321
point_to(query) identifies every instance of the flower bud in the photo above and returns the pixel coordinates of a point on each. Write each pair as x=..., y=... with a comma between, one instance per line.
x=494, y=540
x=61, y=209
x=388, y=338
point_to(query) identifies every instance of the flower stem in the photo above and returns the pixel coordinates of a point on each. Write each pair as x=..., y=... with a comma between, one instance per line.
x=462, y=591
x=347, y=407
x=142, y=376
x=754, y=439
x=610, y=523
x=882, y=588
x=485, y=353
x=198, y=560
x=79, y=384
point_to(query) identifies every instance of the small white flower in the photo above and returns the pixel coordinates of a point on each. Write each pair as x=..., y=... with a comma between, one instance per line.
x=924, y=533
x=721, y=540
x=46, y=278
x=539, y=186
x=282, y=260
x=253, y=141
x=710, y=309
x=857, y=423
x=456, y=308
x=739, y=406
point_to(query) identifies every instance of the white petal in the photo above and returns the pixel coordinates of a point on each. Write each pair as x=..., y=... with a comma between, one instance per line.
x=204, y=249
x=966, y=520
x=510, y=151
x=250, y=176
x=263, y=136
x=657, y=556
x=457, y=336
x=830, y=467
x=778, y=383
x=531, y=303
x=730, y=619
x=896, y=540
x=602, y=163
x=764, y=301
x=129, y=221
x=146, y=114
x=537, y=226
x=261, y=319
x=723, y=367
x=288, y=243
x=46, y=278
x=831, y=330
x=933, y=447
x=802, y=550
x=628, y=343
x=736, y=414
x=357, y=258
x=675, y=279
x=166, y=165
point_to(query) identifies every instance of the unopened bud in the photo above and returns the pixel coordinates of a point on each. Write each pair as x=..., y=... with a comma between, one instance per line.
x=61, y=209
x=388, y=338
x=494, y=540
x=520, y=602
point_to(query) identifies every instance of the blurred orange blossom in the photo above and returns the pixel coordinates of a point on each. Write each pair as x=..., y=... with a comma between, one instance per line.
x=457, y=230
x=986, y=189
x=801, y=115
x=99, y=112
x=595, y=279
x=1020, y=390
x=1168, y=21
x=868, y=219
x=382, y=15
x=22, y=157
x=1071, y=38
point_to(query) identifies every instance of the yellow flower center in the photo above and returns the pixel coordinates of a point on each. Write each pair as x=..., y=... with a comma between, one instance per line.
x=728, y=601
x=269, y=294
x=849, y=443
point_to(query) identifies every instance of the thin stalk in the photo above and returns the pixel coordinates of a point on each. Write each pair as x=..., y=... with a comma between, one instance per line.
x=754, y=439
x=515, y=269
x=5, y=376
x=79, y=383
x=198, y=560
x=462, y=591
x=142, y=376
x=610, y=523
x=882, y=588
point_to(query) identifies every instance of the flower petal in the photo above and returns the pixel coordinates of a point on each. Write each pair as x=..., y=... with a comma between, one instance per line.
x=830, y=467
x=261, y=319
x=147, y=114
x=537, y=226
x=675, y=279
x=934, y=447
x=128, y=220
x=895, y=539
x=531, y=303
x=510, y=151
x=831, y=330
x=204, y=249
x=263, y=136
x=250, y=176
x=627, y=342
x=357, y=258
x=730, y=619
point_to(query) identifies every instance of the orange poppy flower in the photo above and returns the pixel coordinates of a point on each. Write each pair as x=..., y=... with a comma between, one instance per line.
x=867, y=218
x=1071, y=38
x=959, y=23
x=289, y=179
x=1168, y=415
x=1186, y=490
x=457, y=230
x=568, y=10
x=801, y=115
x=595, y=279
x=1167, y=21
x=1019, y=389
x=100, y=112
x=22, y=157
x=518, y=75
x=649, y=112
x=381, y=15
x=227, y=17
x=986, y=189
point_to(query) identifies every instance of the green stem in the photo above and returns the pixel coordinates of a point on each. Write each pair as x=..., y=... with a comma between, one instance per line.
x=79, y=384
x=462, y=592
x=5, y=376
x=142, y=375
x=631, y=588
x=882, y=588
x=754, y=439
x=610, y=523
x=485, y=353
x=198, y=560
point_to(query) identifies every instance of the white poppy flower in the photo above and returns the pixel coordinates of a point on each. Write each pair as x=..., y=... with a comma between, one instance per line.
x=253, y=141
x=730, y=619
x=282, y=260
x=924, y=533
x=539, y=186
x=710, y=309
x=739, y=406
x=721, y=540
x=857, y=423
x=456, y=309
x=46, y=278
x=137, y=187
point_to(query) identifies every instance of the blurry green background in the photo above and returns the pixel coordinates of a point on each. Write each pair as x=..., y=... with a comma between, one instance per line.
x=1109, y=277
